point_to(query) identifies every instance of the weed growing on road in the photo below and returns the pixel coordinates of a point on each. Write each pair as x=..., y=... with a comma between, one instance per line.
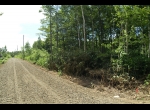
x=60, y=72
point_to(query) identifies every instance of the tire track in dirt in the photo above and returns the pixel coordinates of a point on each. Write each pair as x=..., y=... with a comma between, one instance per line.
x=7, y=86
x=68, y=91
x=18, y=95
x=43, y=85
x=23, y=82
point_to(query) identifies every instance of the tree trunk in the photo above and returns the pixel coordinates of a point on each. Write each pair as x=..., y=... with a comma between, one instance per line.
x=57, y=26
x=78, y=28
x=51, y=31
x=83, y=29
x=92, y=34
x=149, y=40
x=126, y=34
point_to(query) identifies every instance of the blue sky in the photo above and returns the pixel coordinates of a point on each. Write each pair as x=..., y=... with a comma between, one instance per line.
x=16, y=21
x=30, y=29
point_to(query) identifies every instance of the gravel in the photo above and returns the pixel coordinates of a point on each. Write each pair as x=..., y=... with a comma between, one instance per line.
x=24, y=83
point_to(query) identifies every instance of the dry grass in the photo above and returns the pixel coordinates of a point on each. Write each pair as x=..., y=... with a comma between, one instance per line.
x=96, y=82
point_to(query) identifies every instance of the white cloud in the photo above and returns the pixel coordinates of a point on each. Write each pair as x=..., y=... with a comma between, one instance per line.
x=11, y=24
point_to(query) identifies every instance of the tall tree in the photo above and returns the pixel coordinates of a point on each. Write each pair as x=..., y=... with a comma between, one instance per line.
x=48, y=11
x=83, y=28
x=27, y=48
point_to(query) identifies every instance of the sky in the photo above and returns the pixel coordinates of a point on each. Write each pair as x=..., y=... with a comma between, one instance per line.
x=16, y=21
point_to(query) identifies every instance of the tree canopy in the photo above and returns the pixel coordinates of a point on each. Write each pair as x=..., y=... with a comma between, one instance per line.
x=117, y=34
x=82, y=37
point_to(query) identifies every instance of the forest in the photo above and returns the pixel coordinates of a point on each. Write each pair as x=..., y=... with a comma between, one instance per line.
x=113, y=40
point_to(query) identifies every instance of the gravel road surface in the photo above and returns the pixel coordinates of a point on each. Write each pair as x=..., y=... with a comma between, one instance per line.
x=24, y=83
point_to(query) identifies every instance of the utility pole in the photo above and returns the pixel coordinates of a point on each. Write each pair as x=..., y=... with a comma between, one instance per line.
x=23, y=47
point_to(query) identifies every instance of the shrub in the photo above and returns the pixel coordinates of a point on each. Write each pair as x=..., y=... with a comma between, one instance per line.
x=147, y=81
x=38, y=56
x=136, y=65
x=76, y=62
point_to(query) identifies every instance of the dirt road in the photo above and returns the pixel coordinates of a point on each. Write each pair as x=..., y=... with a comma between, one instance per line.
x=23, y=83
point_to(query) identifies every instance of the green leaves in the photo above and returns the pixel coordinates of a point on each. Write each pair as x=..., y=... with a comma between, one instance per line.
x=4, y=55
x=119, y=33
x=27, y=48
x=147, y=81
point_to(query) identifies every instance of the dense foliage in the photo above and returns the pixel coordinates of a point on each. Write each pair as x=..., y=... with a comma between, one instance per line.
x=97, y=36
x=4, y=55
x=34, y=55
x=79, y=38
